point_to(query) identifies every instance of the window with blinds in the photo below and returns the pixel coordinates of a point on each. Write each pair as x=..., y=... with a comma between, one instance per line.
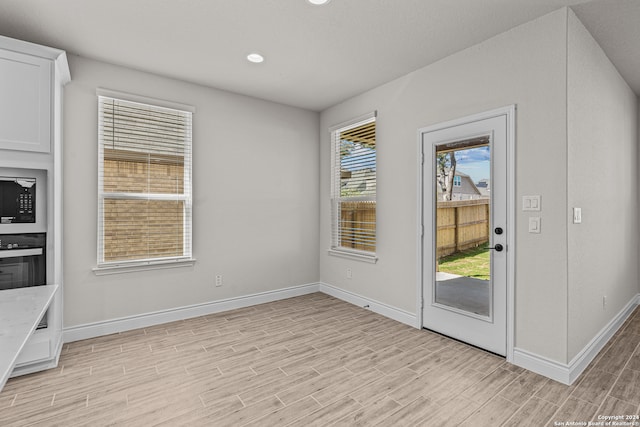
x=354, y=186
x=144, y=180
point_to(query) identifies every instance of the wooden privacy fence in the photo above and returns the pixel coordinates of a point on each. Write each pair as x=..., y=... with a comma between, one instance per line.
x=461, y=224
x=358, y=225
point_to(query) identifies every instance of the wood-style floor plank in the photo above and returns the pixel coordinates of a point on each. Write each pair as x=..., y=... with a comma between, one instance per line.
x=310, y=361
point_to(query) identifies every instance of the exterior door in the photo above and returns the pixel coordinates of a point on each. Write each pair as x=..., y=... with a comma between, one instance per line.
x=466, y=230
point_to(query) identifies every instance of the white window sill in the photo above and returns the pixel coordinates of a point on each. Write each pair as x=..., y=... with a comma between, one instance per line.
x=142, y=266
x=356, y=256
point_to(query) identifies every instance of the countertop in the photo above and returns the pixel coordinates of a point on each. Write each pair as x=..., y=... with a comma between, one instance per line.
x=20, y=311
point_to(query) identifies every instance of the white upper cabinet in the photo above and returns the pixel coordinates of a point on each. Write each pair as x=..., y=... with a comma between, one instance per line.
x=25, y=102
x=27, y=78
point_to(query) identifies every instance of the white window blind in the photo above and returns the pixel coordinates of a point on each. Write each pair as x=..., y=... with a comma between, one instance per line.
x=354, y=186
x=144, y=180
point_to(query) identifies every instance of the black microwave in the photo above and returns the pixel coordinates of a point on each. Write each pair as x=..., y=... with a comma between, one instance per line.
x=17, y=200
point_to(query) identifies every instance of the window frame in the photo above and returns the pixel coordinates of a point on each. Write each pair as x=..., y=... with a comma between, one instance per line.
x=186, y=196
x=335, y=249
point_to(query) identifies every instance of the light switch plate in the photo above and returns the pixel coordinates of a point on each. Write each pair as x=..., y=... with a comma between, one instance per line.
x=534, y=225
x=531, y=203
x=577, y=215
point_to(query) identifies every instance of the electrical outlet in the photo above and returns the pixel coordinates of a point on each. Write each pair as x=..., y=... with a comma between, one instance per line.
x=349, y=273
x=219, y=280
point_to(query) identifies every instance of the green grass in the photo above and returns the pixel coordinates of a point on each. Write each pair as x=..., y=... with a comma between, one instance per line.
x=471, y=263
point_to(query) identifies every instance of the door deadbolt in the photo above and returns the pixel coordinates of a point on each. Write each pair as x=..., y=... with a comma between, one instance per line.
x=498, y=230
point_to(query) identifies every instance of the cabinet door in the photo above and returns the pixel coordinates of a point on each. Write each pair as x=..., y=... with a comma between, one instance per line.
x=25, y=102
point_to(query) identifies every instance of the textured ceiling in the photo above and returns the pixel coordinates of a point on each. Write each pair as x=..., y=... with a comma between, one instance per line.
x=315, y=56
x=615, y=24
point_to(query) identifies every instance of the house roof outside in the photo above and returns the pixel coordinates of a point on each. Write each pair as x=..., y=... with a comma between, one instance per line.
x=467, y=188
x=484, y=186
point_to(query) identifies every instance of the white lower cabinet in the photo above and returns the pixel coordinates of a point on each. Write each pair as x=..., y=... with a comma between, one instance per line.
x=37, y=349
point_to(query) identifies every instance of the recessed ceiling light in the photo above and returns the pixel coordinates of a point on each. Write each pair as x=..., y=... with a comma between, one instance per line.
x=255, y=57
x=318, y=2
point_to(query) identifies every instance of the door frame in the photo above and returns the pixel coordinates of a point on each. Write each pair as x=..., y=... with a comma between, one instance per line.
x=510, y=112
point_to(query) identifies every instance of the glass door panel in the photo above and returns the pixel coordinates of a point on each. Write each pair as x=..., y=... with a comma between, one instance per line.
x=463, y=223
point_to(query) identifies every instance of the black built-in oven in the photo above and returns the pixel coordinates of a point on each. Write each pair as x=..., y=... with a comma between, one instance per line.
x=23, y=262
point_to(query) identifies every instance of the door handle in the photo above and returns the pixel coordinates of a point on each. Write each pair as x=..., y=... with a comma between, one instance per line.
x=14, y=253
x=497, y=248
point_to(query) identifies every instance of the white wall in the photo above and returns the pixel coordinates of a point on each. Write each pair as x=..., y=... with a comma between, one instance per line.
x=255, y=198
x=603, y=179
x=525, y=66
x=256, y=180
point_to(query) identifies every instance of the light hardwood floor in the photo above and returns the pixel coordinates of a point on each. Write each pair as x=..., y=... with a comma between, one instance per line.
x=310, y=361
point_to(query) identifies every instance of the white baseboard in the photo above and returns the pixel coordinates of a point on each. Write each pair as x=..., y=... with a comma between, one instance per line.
x=377, y=307
x=568, y=373
x=541, y=365
x=91, y=330
x=564, y=373
x=35, y=367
